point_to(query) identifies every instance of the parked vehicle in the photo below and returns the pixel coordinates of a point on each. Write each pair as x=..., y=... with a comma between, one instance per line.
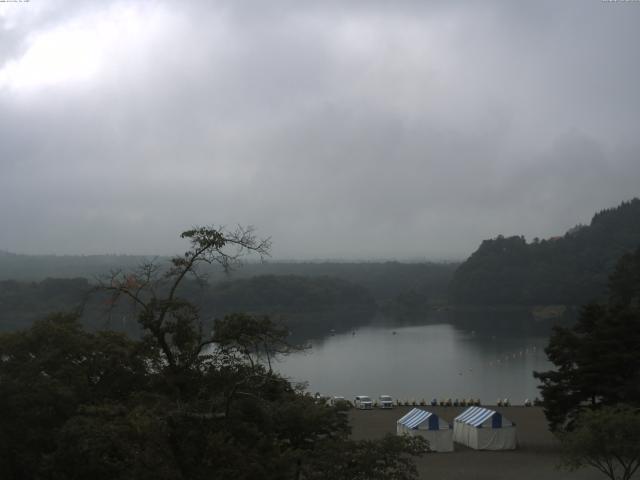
x=337, y=400
x=385, y=401
x=363, y=402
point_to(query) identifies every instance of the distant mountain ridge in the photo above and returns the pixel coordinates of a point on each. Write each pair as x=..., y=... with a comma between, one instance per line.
x=300, y=302
x=572, y=269
x=17, y=266
x=385, y=280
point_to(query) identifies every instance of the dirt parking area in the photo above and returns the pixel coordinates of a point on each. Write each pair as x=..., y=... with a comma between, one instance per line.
x=536, y=458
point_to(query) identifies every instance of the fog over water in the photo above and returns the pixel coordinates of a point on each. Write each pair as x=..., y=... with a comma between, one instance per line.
x=347, y=130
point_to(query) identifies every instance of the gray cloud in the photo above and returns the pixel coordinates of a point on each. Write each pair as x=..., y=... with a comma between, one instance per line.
x=343, y=130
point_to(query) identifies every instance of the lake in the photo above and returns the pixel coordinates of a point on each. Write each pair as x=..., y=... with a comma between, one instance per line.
x=422, y=360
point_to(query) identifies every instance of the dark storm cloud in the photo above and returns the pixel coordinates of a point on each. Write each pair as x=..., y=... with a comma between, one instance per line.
x=342, y=129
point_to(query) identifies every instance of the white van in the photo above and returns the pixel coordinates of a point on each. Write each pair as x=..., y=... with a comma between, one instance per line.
x=363, y=402
x=385, y=401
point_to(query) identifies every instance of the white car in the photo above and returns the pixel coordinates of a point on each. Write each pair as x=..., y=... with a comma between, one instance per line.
x=336, y=400
x=385, y=401
x=363, y=402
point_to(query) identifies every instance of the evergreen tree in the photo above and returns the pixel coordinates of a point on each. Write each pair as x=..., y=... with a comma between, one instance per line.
x=597, y=360
x=571, y=269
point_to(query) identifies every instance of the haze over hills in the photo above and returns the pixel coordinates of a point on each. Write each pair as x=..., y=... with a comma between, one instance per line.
x=385, y=280
x=568, y=270
x=316, y=296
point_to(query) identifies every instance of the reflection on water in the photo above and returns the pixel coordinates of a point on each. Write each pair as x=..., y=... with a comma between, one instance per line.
x=412, y=361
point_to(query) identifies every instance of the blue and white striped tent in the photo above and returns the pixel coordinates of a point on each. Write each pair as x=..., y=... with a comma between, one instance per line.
x=484, y=429
x=429, y=426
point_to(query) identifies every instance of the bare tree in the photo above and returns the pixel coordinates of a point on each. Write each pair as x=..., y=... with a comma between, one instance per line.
x=172, y=323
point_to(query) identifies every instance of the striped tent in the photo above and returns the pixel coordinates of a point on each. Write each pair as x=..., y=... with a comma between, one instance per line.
x=429, y=426
x=484, y=429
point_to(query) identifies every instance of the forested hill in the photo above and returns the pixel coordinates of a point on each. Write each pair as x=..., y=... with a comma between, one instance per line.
x=287, y=294
x=298, y=301
x=572, y=269
x=320, y=295
x=385, y=280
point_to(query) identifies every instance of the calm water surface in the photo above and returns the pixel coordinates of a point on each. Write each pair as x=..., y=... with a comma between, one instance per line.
x=423, y=361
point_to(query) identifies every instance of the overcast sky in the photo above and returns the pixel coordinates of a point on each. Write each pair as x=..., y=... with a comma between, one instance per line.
x=342, y=130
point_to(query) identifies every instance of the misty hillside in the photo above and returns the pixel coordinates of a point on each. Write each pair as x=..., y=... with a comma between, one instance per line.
x=282, y=294
x=21, y=303
x=572, y=269
x=39, y=267
x=385, y=280
x=319, y=295
x=298, y=301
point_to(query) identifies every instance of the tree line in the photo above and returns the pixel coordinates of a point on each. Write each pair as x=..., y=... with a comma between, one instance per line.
x=570, y=270
x=384, y=280
x=309, y=303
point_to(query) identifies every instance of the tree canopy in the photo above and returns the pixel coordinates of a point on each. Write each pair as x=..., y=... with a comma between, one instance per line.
x=570, y=269
x=607, y=439
x=597, y=360
x=183, y=402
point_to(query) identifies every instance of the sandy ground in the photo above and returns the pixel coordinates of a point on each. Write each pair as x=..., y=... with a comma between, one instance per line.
x=536, y=458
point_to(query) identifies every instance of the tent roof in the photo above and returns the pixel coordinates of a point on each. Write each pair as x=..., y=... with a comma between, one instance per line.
x=476, y=416
x=415, y=417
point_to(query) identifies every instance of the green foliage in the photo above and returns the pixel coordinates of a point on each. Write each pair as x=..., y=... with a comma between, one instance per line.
x=408, y=303
x=306, y=305
x=182, y=402
x=368, y=460
x=571, y=269
x=251, y=338
x=383, y=280
x=597, y=360
x=289, y=294
x=46, y=374
x=23, y=302
x=301, y=302
x=624, y=283
x=607, y=439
